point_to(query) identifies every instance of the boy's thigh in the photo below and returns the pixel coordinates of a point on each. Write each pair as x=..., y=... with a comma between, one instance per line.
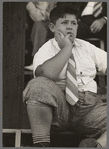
x=85, y=104
x=91, y=117
x=97, y=117
x=44, y=90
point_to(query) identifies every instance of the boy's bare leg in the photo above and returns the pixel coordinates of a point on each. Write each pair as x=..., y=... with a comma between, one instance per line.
x=40, y=117
x=103, y=140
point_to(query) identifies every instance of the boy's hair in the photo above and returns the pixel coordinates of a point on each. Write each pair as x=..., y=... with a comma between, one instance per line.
x=61, y=11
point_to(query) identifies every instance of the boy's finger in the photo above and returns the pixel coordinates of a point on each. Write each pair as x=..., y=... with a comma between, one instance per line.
x=57, y=36
x=61, y=34
x=68, y=35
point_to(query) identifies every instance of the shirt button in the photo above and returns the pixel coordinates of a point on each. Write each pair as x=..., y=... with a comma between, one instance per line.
x=80, y=72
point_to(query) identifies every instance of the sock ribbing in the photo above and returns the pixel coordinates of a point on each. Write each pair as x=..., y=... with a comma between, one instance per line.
x=38, y=139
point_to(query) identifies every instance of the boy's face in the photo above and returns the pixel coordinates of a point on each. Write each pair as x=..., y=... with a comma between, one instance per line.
x=67, y=25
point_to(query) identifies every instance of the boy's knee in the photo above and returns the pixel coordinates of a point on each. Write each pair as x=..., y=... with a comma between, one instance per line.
x=37, y=89
x=37, y=83
x=41, y=82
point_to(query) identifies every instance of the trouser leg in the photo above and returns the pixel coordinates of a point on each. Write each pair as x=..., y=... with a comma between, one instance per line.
x=90, y=116
x=47, y=106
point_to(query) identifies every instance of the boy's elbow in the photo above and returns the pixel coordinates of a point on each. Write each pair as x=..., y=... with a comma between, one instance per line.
x=48, y=74
x=39, y=71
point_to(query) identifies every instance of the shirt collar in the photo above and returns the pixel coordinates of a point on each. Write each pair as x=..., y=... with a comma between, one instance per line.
x=77, y=42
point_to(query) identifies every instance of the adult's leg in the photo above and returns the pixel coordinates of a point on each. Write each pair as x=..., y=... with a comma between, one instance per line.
x=39, y=35
x=46, y=106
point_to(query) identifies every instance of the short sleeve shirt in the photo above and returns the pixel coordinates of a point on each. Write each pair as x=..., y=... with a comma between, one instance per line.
x=88, y=58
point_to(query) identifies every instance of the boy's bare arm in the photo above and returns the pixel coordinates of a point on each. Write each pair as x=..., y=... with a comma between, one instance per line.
x=52, y=67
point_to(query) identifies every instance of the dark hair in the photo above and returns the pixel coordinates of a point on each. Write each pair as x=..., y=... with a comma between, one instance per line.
x=61, y=10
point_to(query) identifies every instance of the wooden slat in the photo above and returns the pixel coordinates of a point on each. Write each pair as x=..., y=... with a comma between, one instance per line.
x=9, y=131
x=18, y=138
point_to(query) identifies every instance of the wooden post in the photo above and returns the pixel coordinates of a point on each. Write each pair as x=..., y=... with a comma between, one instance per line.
x=14, y=21
x=18, y=138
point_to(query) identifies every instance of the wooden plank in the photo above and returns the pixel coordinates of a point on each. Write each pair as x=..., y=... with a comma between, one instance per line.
x=26, y=130
x=8, y=130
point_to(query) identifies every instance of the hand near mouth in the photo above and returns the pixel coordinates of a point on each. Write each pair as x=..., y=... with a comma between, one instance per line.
x=63, y=41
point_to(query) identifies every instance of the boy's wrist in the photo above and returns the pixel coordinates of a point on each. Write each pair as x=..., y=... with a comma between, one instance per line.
x=69, y=45
x=68, y=49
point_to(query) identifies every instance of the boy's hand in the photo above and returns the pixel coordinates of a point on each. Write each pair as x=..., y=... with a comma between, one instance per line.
x=63, y=41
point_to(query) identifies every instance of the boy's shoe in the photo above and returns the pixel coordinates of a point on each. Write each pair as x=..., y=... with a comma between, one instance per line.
x=41, y=144
x=90, y=142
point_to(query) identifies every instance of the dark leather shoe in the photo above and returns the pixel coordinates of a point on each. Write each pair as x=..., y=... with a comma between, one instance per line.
x=89, y=142
x=41, y=144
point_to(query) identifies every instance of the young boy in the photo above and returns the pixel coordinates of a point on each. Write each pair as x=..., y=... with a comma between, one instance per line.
x=45, y=95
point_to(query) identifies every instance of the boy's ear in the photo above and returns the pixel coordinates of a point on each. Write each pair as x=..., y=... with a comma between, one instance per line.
x=52, y=27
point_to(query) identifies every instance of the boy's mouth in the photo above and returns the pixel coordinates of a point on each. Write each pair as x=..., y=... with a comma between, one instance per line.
x=70, y=33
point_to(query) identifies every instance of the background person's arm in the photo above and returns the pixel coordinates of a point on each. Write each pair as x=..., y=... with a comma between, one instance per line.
x=37, y=11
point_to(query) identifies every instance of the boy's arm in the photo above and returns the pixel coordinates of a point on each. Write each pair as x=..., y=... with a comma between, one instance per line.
x=52, y=67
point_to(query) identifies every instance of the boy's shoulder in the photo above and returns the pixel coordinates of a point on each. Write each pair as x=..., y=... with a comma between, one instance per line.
x=50, y=46
x=48, y=43
x=86, y=45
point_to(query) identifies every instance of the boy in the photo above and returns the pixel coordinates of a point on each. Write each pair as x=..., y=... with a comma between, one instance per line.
x=45, y=95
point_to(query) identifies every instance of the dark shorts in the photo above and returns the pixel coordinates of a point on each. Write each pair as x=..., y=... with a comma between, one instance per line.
x=88, y=116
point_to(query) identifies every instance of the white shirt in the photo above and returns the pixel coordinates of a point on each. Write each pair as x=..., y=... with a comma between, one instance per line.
x=87, y=57
x=88, y=10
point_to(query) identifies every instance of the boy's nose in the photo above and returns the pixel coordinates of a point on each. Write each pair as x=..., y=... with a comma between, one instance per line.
x=69, y=27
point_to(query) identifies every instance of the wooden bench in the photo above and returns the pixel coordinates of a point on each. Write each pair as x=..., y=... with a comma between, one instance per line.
x=63, y=137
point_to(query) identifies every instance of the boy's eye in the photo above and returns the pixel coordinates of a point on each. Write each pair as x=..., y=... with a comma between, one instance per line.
x=64, y=22
x=74, y=23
